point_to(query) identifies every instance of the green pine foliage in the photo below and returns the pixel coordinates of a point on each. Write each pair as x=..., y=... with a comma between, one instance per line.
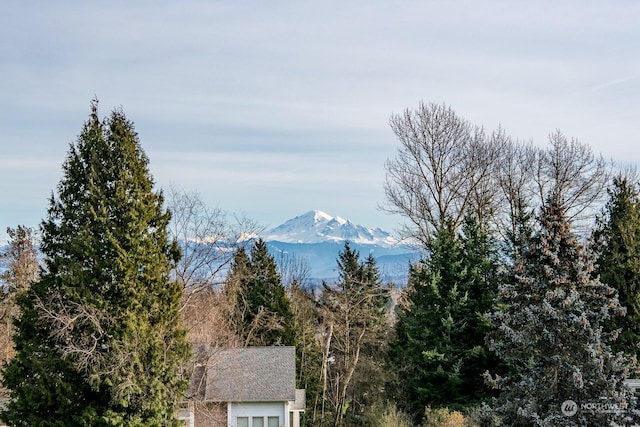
x=261, y=309
x=99, y=341
x=439, y=348
x=616, y=241
x=238, y=274
x=548, y=327
x=518, y=236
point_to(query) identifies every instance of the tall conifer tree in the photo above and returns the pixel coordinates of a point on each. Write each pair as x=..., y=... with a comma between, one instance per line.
x=262, y=310
x=439, y=348
x=549, y=328
x=99, y=341
x=19, y=260
x=19, y=269
x=617, y=244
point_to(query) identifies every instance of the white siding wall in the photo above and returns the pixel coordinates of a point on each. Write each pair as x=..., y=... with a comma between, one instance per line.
x=257, y=409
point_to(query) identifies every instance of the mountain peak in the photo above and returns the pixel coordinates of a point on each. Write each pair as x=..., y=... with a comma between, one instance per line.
x=316, y=216
x=317, y=226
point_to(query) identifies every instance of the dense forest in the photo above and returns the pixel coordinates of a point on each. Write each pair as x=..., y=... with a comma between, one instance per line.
x=527, y=295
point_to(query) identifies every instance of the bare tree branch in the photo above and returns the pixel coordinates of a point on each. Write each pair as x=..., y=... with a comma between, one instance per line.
x=81, y=331
x=568, y=173
x=441, y=170
x=445, y=169
x=207, y=239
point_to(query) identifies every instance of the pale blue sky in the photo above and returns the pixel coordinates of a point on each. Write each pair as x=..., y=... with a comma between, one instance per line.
x=276, y=108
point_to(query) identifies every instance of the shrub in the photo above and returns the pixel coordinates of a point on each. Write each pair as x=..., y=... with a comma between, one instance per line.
x=387, y=415
x=442, y=417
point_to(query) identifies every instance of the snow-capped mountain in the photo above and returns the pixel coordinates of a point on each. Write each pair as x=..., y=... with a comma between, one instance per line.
x=317, y=226
x=318, y=238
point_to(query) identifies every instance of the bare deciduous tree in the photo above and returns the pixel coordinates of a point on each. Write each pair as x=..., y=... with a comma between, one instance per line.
x=442, y=169
x=354, y=320
x=446, y=168
x=207, y=239
x=293, y=269
x=208, y=321
x=516, y=186
x=569, y=174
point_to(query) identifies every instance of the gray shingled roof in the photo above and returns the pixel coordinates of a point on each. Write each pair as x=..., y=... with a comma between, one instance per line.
x=251, y=374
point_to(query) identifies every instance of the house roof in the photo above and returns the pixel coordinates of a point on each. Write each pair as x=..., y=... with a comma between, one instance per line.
x=251, y=374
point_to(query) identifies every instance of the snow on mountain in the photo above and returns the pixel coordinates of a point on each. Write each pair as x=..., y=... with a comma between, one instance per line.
x=317, y=227
x=318, y=238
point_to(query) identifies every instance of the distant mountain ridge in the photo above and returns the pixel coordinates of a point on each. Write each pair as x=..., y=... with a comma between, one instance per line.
x=317, y=226
x=319, y=237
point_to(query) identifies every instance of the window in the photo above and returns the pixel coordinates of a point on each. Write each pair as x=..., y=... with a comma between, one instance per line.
x=257, y=421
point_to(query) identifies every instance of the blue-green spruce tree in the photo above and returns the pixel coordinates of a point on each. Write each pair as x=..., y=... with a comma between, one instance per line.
x=549, y=329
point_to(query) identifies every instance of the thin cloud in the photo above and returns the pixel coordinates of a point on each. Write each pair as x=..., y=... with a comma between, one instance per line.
x=295, y=96
x=615, y=82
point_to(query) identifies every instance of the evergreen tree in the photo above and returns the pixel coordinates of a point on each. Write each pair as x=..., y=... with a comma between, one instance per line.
x=19, y=261
x=99, y=341
x=519, y=234
x=354, y=338
x=616, y=241
x=548, y=325
x=18, y=269
x=262, y=309
x=237, y=307
x=439, y=348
